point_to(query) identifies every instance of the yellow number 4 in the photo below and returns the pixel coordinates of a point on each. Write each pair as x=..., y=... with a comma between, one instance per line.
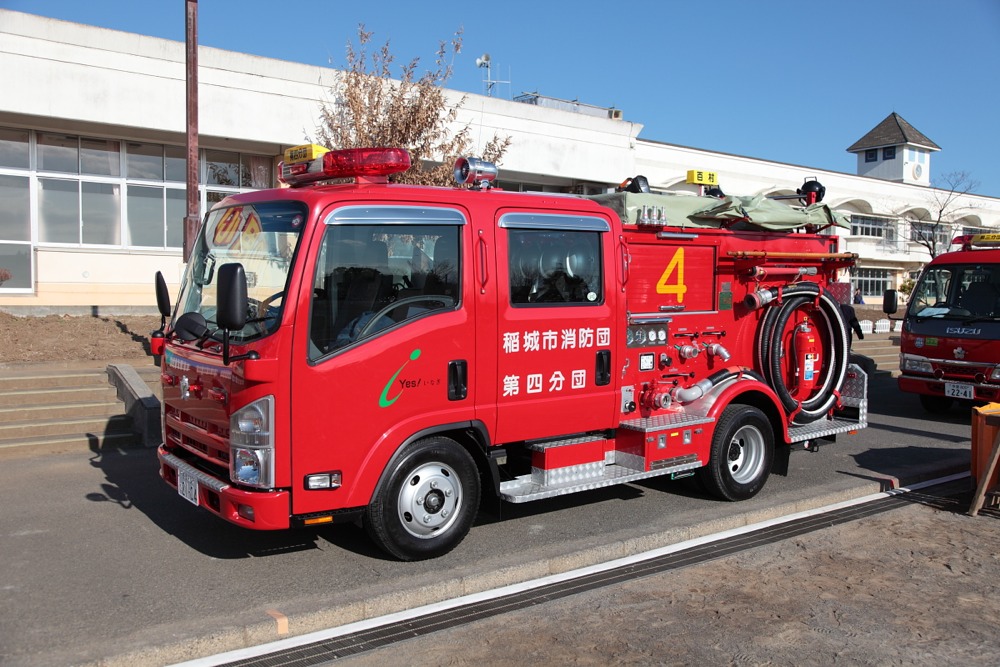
x=665, y=286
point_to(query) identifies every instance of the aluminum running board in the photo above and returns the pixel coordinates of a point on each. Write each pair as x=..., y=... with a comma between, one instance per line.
x=823, y=428
x=854, y=394
x=523, y=489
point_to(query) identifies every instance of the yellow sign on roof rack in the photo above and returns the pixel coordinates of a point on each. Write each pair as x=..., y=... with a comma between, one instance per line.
x=304, y=153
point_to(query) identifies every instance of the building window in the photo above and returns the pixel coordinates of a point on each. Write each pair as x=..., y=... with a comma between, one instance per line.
x=871, y=282
x=15, y=223
x=889, y=153
x=870, y=225
x=15, y=266
x=871, y=155
x=57, y=152
x=924, y=232
x=101, y=205
x=100, y=157
x=58, y=211
x=93, y=191
x=144, y=161
x=145, y=216
x=14, y=149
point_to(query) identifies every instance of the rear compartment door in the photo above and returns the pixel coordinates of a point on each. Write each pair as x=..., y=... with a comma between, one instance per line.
x=554, y=341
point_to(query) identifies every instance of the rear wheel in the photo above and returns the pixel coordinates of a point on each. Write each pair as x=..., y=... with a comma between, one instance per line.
x=742, y=454
x=937, y=405
x=428, y=503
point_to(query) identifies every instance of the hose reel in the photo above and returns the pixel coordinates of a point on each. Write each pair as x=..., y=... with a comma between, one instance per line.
x=776, y=359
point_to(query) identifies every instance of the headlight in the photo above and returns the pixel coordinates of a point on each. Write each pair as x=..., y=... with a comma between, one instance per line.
x=995, y=375
x=915, y=364
x=251, y=438
x=252, y=467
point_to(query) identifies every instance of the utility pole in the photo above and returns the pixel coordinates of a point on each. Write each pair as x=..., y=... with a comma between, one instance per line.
x=193, y=217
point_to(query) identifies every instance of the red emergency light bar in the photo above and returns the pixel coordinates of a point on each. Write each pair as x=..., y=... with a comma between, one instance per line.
x=365, y=165
x=969, y=241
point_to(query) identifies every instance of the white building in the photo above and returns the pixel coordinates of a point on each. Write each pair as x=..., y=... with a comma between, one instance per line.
x=92, y=161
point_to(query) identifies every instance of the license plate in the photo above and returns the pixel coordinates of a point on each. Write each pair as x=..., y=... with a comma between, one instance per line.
x=959, y=390
x=187, y=486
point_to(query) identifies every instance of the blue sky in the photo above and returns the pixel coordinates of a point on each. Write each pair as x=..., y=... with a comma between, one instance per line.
x=795, y=82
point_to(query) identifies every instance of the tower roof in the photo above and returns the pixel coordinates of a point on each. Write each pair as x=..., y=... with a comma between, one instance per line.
x=893, y=131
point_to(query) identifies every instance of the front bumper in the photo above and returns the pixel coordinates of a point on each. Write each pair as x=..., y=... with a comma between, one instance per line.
x=270, y=509
x=930, y=386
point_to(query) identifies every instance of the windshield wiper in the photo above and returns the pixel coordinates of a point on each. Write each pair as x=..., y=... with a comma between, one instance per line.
x=981, y=318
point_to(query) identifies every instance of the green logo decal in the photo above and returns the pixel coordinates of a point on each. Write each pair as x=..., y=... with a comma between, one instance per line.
x=384, y=401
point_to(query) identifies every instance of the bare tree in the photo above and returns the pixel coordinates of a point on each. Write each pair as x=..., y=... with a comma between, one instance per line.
x=932, y=226
x=369, y=108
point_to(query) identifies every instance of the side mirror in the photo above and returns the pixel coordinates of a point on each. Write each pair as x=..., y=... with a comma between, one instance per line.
x=162, y=296
x=231, y=310
x=890, y=302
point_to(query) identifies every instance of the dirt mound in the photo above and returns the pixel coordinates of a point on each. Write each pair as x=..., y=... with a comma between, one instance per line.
x=73, y=338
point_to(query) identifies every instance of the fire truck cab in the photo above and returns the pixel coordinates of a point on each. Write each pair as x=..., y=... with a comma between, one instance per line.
x=395, y=354
x=950, y=339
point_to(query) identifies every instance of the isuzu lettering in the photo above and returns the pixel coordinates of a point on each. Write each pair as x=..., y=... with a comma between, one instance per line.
x=401, y=355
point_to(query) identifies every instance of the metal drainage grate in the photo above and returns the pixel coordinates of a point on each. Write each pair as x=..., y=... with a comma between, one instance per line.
x=325, y=651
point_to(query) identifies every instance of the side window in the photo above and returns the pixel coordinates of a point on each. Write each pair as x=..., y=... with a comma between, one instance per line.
x=555, y=267
x=370, y=278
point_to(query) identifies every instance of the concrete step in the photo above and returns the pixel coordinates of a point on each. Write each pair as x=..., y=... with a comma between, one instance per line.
x=62, y=406
x=58, y=395
x=51, y=380
x=57, y=444
x=883, y=349
x=83, y=428
x=42, y=413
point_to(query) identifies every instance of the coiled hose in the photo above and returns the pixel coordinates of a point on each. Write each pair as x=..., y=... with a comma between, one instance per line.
x=770, y=349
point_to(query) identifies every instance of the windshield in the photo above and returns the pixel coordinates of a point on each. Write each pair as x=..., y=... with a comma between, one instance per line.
x=963, y=291
x=261, y=237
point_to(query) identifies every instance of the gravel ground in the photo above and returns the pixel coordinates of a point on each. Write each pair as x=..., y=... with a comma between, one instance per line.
x=914, y=586
x=74, y=338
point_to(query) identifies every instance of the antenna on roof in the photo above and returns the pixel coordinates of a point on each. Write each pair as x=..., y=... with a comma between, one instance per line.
x=484, y=62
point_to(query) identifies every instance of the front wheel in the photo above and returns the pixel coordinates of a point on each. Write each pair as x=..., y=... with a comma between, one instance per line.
x=428, y=503
x=741, y=455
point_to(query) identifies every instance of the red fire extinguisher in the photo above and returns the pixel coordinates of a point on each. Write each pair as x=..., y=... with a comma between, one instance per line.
x=807, y=360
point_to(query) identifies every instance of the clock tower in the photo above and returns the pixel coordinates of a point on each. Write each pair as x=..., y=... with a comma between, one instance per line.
x=895, y=151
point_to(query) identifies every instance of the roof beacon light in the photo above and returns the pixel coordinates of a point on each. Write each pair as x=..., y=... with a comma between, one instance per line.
x=475, y=172
x=311, y=163
x=984, y=240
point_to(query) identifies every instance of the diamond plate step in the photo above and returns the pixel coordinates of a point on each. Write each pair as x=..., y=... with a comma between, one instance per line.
x=523, y=489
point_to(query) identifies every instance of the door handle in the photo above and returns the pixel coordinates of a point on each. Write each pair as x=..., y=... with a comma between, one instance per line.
x=602, y=374
x=484, y=269
x=458, y=380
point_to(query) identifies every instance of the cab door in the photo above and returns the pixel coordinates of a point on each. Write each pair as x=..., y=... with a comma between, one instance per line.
x=554, y=343
x=384, y=339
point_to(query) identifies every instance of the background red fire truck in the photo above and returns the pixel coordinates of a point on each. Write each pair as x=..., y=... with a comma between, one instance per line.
x=399, y=355
x=950, y=341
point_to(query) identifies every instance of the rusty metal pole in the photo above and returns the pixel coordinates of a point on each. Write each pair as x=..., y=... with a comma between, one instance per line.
x=193, y=217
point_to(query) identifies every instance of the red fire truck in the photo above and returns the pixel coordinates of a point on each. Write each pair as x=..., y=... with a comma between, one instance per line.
x=950, y=341
x=398, y=355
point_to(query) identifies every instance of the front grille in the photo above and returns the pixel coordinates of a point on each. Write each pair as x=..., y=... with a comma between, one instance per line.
x=207, y=442
x=964, y=371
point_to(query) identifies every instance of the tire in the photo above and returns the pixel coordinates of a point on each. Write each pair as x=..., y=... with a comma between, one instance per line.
x=742, y=454
x=428, y=503
x=937, y=405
